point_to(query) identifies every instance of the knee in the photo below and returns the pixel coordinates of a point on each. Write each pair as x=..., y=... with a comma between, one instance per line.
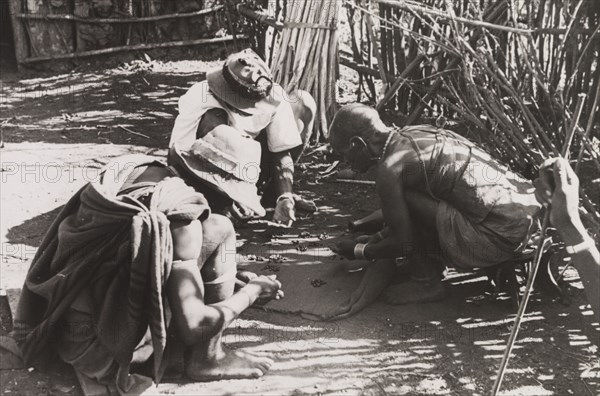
x=304, y=107
x=218, y=227
x=307, y=102
x=187, y=240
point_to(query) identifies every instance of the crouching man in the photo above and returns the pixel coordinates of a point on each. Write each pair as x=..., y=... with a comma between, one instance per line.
x=134, y=268
x=443, y=201
x=242, y=96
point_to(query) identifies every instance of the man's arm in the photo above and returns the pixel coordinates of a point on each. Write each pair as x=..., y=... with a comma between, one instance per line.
x=558, y=188
x=283, y=177
x=283, y=136
x=283, y=172
x=197, y=321
x=192, y=106
x=398, y=241
x=398, y=172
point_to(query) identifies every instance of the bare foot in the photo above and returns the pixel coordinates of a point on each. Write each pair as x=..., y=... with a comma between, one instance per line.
x=230, y=365
x=413, y=292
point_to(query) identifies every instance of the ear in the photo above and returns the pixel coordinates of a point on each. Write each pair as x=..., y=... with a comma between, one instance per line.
x=357, y=141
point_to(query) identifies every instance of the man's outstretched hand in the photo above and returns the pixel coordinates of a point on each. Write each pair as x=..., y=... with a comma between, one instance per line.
x=240, y=212
x=376, y=279
x=269, y=285
x=345, y=248
x=288, y=205
x=285, y=211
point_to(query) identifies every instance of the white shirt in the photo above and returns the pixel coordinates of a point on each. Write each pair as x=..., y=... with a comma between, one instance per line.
x=281, y=128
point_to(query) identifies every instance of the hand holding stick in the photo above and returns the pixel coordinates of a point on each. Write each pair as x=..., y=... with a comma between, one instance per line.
x=536, y=260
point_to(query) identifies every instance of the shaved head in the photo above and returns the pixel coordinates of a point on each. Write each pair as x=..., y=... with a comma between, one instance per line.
x=354, y=120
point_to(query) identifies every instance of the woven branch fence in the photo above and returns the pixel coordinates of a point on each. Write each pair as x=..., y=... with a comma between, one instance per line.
x=51, y=30
x=508, y=74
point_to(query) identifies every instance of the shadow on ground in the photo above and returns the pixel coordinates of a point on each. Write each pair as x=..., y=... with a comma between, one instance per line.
x=83, y=107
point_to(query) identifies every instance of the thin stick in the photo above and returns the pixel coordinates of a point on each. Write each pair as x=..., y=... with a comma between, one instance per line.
x=136, y=47
x=133, y=132
x=230, y=24
x=399, y=81
x=404, y=5
x=350, y=181
x=589, y=126
x=67, y=17
x=375, y=48
x=536, y=263
x=574, y=125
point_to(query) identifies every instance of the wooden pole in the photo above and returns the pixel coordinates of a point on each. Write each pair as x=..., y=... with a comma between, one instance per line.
x=399, y=81
x=259, y=16
x=590, y=125
x=375, y=47
x=62, y=17
x=136, y=47
x=229, y=14
x=19, y=34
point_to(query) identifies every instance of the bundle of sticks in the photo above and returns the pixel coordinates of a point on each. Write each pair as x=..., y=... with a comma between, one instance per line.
x=508, y=72
x=306, y=56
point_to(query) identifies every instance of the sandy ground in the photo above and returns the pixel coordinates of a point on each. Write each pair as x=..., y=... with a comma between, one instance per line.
x=59, y=130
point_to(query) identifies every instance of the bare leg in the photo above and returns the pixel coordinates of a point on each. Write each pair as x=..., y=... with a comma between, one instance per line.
x=208, y=360
x=425, y=261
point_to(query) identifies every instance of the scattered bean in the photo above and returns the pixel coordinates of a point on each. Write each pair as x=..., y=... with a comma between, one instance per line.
x=317, y=282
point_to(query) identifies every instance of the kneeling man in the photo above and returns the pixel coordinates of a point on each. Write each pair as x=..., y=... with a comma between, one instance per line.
x=134, y=269
x=444, y=200
x=242, y=96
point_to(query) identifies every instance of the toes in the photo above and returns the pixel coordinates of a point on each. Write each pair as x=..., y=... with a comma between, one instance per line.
x=264, y=367
x=269, y=363
x=256, y=373
x=264, y=363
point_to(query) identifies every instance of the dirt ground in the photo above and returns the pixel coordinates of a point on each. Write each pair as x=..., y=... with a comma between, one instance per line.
x=58, y=131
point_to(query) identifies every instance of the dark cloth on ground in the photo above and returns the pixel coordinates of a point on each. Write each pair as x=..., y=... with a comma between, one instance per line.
x=116, y=248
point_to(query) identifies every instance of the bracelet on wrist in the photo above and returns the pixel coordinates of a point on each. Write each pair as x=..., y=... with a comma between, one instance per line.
x=359, y=251
x=587, y=244
x=283, y=196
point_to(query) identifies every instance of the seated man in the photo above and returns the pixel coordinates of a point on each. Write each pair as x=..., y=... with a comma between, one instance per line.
x=242, y=95
x=443, y=200
x=135, y=266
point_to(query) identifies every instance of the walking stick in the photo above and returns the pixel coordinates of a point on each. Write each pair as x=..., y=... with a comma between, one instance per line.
x=536, y=260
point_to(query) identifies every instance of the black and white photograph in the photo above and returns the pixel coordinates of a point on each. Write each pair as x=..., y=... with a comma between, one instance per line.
x=300, y=197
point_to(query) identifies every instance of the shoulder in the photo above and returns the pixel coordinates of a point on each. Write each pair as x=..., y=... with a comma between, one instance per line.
x=400, y=154
x=199, y=96
x=400, y=166
x=199, y=88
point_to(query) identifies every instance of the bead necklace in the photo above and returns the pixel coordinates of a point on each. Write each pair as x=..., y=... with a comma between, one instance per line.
x=387, y=143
